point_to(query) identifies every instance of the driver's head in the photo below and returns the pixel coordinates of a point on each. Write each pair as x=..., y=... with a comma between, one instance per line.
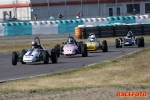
x=129, y=35
x=92, y=38
x=34, y=44
x=70, y=41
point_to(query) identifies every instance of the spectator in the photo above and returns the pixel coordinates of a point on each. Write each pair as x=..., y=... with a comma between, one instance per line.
x=78, y=15
x=7, y=17
x=60, y=16
x=35, y=17
x=51, y=17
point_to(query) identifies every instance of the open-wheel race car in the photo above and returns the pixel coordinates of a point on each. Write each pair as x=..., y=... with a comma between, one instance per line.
x=129, y=40
x=71, y=47
x=93, y=44
x=35, y=54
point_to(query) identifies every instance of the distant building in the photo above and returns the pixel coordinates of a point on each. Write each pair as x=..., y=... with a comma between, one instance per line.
x=26, y=9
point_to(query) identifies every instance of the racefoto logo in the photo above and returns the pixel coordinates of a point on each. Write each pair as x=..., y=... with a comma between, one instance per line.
x=131, y=94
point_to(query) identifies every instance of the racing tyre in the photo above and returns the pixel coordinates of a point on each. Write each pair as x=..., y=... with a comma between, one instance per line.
x=53, y=56
x=57, y=49
x=117, y=43
x=142, y=42
x=121, y=42
x=139, y=42
x=58, y=46
x=61, y=50
x=45, y=57
x=104, y=46
x=14, y=58
x=84, y=50
x=23, y=52
x=80, y=43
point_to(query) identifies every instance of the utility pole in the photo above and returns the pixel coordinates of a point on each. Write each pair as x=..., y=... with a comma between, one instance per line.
x=133, y=6
x=82, y=8
x=99, y=8
x=48, y=8
x=65, y=10
x=116, y=7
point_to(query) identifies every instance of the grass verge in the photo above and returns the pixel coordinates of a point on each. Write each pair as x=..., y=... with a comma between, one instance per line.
x=130, y=71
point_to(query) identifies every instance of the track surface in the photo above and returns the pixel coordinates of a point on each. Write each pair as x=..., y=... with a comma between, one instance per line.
x=10, y=72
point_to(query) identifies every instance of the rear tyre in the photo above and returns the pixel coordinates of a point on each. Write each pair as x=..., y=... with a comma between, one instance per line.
x=139, y=42
x=142, y=42
x=45, y=57
x=80, y=43
x=120, y=45
x=104, y=46
x=85, y=46
x=117, y=43
x=23, y=52
x=84, y=50
x=57, y=49
x=54, y=56
x=14, y=58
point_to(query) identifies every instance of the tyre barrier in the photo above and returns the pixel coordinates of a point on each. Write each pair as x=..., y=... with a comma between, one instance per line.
x=78, y=32
x=117, y=30
x=136, y=29
x=121, y=30
x=146, y=29
x=107, y=31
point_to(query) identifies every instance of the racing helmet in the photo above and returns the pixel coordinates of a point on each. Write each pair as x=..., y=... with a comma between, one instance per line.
x=92, y=38
x=34, y=44
x=70, y=41
x=129, y=35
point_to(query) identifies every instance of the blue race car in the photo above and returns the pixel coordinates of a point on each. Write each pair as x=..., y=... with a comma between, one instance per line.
x=130, y=40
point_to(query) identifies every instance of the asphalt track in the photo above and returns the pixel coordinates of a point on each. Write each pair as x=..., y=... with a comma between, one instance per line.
x=10, y=72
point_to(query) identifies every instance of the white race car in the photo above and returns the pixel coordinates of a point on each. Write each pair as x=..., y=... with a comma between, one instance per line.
x=34, y=55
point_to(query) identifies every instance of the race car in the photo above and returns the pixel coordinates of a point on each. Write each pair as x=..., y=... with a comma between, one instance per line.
x=71, y=47
x=35, y=54
x=130, y=40
x=93, y=44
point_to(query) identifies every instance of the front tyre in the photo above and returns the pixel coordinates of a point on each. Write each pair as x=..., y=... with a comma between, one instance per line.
x=45, y=57
x=84, y=50
x=23, y=52
x=117, y=43
x=104, y=46
x=139, y=42
x=142, y=42
x=14, y=58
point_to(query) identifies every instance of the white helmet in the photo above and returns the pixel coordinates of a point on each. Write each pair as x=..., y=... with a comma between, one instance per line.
x=129, y=34
x=92, y=37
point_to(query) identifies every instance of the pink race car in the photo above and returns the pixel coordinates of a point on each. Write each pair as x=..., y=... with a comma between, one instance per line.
x=71, y=47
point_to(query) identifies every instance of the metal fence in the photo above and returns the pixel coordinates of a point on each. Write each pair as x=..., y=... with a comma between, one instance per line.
x=68, y=10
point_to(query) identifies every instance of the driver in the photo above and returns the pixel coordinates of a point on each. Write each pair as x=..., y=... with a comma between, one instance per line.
x=92, y=38
x=129, y=35
x=34, y=44
x=70, y=41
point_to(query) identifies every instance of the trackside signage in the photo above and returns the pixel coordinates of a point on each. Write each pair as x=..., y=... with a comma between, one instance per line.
x=132, y=94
